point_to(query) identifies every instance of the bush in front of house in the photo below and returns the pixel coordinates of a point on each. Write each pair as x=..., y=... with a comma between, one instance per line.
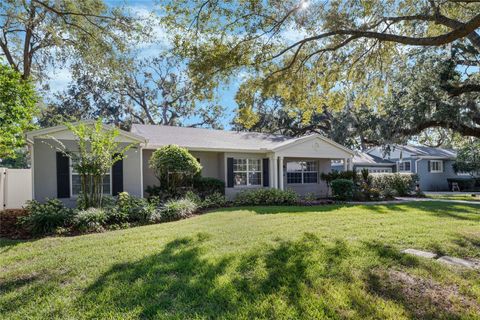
x=402, y=183
x=90, y=220
x=131, y=209
x=266, y=197
x=215, y=200
x=205, y=186
x=174, y=209
x=45, y=218
x=342, y=189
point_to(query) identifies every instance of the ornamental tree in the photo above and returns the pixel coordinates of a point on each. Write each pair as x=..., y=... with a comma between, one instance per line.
x=174, y=166
x=17, y=107
x=97, y=151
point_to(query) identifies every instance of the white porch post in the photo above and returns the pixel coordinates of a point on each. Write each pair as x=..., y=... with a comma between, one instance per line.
x=345, y=164
x=350, y=164
x=275, y=172
x=280, y=180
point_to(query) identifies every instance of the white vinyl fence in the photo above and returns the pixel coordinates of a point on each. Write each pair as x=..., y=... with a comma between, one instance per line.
x=15, y=188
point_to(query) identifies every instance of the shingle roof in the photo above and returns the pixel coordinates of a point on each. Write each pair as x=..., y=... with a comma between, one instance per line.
x=158, y=135
x=430, y=151
x=368, y=159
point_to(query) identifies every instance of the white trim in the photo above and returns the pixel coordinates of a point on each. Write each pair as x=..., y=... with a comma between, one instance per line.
x=403, y=162
x=237, y=186
x=440, y=166
x=303, y=172
x=70, y=170
x=280, y=164
x=287, y=143
x=45, y=131
x=32, y=164
x=141, y=171
x=229, y=150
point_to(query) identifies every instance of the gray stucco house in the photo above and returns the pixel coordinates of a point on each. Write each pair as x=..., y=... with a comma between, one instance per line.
x=432, y=165
x=242, y=160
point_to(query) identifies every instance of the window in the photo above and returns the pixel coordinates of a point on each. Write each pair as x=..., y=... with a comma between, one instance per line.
x=247, y=172
x=76, y=182
x=404, y=166
x=436, y=166
x=302, y=172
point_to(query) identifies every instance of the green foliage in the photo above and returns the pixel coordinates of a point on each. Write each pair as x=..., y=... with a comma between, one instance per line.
x=90, y=220
x=97, y=150
x=266, y=196
x=468, y=158
x=334, y=175
x=214, y=200
x=45, y=218
x=342, y=189
x=205, y=186
x=176, y=209
x=403, y=183
x=132, y=209
x=17, y=107
x=174, y=166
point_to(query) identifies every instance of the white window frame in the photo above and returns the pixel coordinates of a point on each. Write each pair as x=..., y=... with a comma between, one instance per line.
x=302, y=172
x=70, y=164
x=440, y=166
x=403, y=165
x=248, y=185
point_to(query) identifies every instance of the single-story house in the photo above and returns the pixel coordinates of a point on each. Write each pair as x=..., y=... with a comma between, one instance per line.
x=242, y=160
x=432, y=165
x=372, y=163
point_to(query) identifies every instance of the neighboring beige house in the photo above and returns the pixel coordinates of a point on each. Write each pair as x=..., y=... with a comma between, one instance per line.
x=243, y=160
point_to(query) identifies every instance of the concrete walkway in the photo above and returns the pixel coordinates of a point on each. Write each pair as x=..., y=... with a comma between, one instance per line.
x=400, y=200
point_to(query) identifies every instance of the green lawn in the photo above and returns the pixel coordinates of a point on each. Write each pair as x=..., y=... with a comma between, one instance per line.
x=340, y=262
x=454, y=197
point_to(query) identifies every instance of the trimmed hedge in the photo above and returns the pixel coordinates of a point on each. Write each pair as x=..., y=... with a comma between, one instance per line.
x=205, y=186
x=342, y=189
x=265, y=197
x=402, y=183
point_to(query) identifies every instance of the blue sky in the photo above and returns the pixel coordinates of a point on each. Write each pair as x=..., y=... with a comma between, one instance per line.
x=61, y=77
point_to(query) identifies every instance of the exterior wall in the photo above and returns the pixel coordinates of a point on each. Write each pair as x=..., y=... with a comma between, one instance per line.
x=45, y=170
x=432, y=181
x=320, y=188
x=212, y=166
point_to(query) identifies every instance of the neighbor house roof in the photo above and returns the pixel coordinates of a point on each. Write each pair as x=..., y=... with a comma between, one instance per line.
x=362, y=158
x=429, y=151
x=211, y=139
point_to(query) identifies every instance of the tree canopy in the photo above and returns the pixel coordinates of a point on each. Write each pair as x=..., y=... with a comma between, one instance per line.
x=17, y=108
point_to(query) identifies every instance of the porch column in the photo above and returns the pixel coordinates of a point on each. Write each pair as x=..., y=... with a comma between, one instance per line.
x=345, y=164
x=271, y=172
x=280, y=178
x=350, y=164
x=275, y=172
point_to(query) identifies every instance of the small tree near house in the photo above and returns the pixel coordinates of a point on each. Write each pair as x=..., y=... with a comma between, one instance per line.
x=97, y=151
x=174, y=167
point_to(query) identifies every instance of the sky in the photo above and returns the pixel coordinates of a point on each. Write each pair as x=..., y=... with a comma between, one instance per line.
x=60, y=78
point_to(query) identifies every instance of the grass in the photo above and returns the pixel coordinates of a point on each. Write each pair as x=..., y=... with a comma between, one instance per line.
x=466, y=197
x=261, y=262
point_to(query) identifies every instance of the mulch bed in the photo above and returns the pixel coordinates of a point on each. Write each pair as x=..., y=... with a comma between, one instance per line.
x=8, y=224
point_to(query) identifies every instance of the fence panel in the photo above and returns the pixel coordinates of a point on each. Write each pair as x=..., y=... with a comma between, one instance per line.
x=15, y=187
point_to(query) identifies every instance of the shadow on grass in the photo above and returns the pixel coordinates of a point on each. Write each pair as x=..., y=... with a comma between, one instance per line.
x=306, y=278
x=7, y=244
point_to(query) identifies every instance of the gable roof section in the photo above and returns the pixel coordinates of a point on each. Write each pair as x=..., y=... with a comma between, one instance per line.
x=51, y=131
x=419, y=151
x=362, y=158
x=219, y=140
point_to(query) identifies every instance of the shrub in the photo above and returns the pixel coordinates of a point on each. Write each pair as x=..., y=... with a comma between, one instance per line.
x=388, y=193
x=45, y=218
x=215, y=200
x=342, y=189
x=176, y=210
x=402, y=183
x=193, y=197
x=266, y=197
x=132, y=209
x=90, y=220
x=205, y=186
x=174, y=166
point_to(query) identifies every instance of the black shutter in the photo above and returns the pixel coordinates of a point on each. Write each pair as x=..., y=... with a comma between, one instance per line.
x=229, y=172
x=429, y=168
x=63, y=176
x=266, y=173
x=117, y=177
